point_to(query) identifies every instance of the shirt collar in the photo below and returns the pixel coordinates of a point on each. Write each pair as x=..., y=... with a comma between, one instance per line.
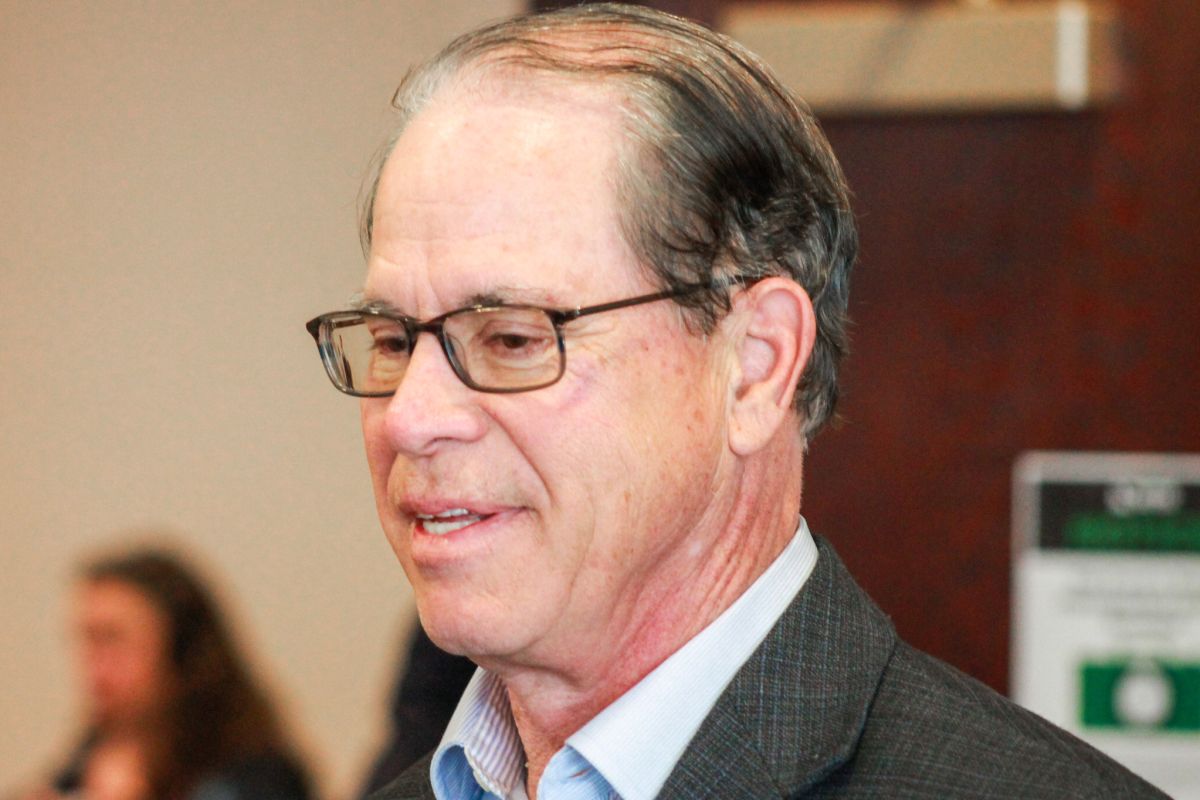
x=480, y=749
x=635, y=742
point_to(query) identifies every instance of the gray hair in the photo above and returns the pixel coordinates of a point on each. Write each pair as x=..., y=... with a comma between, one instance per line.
x=724, y=173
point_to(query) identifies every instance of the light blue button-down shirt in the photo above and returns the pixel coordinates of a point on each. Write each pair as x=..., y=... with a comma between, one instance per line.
x=628, y=750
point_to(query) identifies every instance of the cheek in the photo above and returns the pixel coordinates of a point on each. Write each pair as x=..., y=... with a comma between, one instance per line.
x=101, y=673
x=379, y=452
x=672, y=417
x=669, y=404
x=371, y=418
x=141, y=665
x=124, y=677
x=618, y=429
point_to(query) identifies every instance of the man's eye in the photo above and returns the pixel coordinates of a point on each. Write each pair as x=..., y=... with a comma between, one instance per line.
x=390, y=345
x=509, y=341
x=515, y=342
x=387, y=338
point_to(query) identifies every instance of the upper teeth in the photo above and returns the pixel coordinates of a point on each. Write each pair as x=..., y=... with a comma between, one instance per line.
x=446, y=521
x=453, y=512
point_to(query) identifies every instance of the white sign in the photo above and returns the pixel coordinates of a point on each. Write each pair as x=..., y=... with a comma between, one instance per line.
x=1106, y=605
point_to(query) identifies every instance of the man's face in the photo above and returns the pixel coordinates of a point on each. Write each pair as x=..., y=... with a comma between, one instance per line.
x=582, y=499
x=122, y=642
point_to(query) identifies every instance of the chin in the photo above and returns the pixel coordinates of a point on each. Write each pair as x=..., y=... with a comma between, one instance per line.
x=459, y=636
x=464, y=631
x=447, y=640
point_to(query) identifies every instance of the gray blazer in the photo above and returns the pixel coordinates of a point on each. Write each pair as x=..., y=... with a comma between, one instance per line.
x=833, y=704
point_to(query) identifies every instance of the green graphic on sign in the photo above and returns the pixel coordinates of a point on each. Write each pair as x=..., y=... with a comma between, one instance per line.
x=1145, y=694
x=1178, y=533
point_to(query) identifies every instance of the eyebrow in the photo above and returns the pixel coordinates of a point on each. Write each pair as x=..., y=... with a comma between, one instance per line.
x=498, y=296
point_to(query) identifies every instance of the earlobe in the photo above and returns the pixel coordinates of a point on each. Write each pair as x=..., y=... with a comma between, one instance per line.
x=775, y=335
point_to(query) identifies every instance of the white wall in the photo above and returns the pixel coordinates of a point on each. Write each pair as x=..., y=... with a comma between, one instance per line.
x=177, y=196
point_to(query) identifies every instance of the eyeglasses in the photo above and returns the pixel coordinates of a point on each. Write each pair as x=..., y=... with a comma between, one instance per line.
x=491, y=348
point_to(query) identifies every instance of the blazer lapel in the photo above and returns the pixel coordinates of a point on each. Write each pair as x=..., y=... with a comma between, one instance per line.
x=795, y=711
x=721, y=761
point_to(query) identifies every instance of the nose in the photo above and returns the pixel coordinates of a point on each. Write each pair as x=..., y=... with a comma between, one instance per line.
x=431, y=406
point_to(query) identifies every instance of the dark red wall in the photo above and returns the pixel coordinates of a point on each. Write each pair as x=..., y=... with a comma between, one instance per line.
x=1026, y=282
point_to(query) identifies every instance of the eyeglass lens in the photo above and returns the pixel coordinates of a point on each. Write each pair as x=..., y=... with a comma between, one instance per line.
x=501, y=349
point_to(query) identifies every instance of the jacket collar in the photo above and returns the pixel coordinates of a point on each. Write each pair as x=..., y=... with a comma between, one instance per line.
x=796, y=710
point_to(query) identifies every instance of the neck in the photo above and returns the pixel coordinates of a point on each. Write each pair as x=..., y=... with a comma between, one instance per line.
x=757, y=517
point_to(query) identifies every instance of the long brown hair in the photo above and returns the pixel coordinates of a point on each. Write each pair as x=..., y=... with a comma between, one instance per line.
x=217, y=715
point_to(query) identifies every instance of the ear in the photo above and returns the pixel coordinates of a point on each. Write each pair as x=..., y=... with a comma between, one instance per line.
x=774, y=332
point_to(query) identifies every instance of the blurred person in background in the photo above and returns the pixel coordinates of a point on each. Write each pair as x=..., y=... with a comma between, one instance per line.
x=430, y=681
x=171, y=709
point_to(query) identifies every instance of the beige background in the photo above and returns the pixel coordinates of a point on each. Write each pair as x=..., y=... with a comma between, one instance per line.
x=178, y=197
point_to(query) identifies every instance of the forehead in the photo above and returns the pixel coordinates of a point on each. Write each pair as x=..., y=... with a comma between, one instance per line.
x=112, y=602
x=503, y=185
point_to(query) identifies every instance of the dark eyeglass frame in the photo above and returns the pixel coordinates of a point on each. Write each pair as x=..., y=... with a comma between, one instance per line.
x=321, y=328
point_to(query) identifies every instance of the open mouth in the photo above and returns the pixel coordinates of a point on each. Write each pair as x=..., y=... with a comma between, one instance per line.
x=448, y=521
